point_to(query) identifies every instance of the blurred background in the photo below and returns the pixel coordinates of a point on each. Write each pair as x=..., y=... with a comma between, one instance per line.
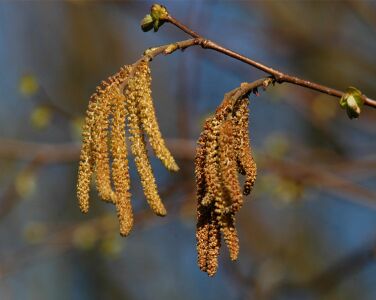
x=308, y=230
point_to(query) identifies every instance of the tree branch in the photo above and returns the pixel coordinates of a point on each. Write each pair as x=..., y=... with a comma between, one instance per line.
x=279, y=76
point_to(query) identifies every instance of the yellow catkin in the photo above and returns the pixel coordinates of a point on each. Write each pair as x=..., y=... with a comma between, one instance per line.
x=228, y=169
x=150, y=123
x=89, y=133
x=105, y=96
x=230, y=235
x=120, y=172
x=133, y=94
x=100, y=140
x=86, y=160
x=244, y=151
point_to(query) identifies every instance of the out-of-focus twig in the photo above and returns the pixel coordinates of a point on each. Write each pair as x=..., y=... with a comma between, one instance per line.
x=184, y=149
x=334, y=274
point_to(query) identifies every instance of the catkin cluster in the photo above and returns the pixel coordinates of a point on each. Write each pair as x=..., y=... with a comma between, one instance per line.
x=223, y=151
x=124, y=99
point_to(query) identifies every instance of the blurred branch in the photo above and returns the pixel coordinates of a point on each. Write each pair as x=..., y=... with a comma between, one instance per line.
x=59, y=241
x=45, y=153
x=11, y=196
x=184, y=149
x=322, y=179
x=333, y=275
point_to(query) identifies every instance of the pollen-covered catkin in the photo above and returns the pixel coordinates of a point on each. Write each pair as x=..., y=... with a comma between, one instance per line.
x=214, y=245
x=211, y=168
x=203, y=212
x=85, y=169
x=244, y=150
x=100, y=141
x=228, y=167
x=149, y=120
x=133, y=94
x=120, y=171
x=230, y=235
x=223, y=150
x=124, y=95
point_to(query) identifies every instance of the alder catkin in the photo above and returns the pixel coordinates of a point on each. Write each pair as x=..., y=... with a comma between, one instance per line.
x=244, y=150
x=230, y=235
x=125, y=95
x=228, y=165
x=223, y=150
x=100, y=141
x=211, y=168
x=133, y=94
x=214, y=245
x=85, y=169
x=149, y=120
x=120, y=171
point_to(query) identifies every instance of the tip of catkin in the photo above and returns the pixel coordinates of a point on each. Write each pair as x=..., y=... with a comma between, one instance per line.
x=161, y=212
x=84, y=208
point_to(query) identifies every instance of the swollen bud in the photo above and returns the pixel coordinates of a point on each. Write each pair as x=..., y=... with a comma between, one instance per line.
x=352, y=101
x=156, y=18
x=147, y=23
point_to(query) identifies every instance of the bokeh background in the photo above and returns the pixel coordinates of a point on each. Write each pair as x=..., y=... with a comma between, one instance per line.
x=308, y=231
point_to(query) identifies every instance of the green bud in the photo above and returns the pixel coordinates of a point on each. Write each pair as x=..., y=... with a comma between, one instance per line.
x=158, y=12
x=155, y=19
x=352, y=101
x=147, y=23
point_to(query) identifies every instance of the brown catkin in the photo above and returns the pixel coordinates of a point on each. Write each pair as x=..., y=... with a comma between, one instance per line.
x=120, y=171
x=149, y=120
x=202, y=236
x=133, y=94
x=244, y=151
x=214, y=245
x=203, y=212
x=228, y=169
x=211, y=168
x=223, y=150
x=230, y=235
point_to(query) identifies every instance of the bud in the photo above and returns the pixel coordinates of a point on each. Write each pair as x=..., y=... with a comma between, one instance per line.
x=155, y=19
x=352, y=101
x=158, y=12
x=147, y=23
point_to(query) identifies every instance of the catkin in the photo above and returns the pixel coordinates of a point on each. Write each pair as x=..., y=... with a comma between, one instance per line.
x=86, y=160
x=228, y=165
x=230, y=235
x=120, y=171
x=245, y=159
x=133, y=94
x=211, y=168
x=214, y=245
x=223, y=151
x=100, y=141
x=124, y=96
x=150, y=123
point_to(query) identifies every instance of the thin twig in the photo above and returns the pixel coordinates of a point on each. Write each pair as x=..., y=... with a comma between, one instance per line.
x=279, y=76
